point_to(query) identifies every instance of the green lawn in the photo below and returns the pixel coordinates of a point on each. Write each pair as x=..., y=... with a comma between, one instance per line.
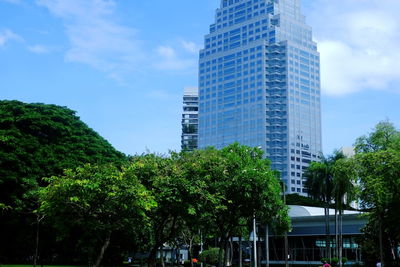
x=30, y=265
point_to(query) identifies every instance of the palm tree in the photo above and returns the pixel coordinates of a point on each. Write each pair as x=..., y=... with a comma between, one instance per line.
x=344, y=191
x=319, y=186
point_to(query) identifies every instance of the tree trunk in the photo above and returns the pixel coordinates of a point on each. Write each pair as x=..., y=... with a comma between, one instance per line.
x=336, y=233
x=36, y=243
x=102, y=250
x=162, y=257
x=221, y=246
x=327, y=231
x=240, y=252
x=231, y=251
x=266, y=246
x=190, y=251
x=381, y=242
x=340, y=238
x=286, y=250
x=226, y=252
x=38, y=220
x=222, y=249
x=259, y=251
x=151, y=261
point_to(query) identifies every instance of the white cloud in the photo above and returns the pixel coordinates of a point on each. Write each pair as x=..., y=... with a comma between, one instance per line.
x=168, y=59
x=95, y=36
x=99, y=40
x=358, y=44
x=39, y=49
x=8, y=35
x=166, y=52
x=190, y=47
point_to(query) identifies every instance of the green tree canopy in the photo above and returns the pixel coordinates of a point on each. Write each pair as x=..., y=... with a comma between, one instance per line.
x=384, y=136
x=239, y=185
x=177, y=195
x=36, y=141
x=97, y=202
x=378, y=161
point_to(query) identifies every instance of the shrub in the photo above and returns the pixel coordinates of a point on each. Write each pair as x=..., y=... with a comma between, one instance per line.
x=335, y=261
x=210, y=256
x=323, y=260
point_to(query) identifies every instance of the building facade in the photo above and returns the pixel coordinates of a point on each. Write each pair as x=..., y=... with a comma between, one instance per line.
x=259, y=84
x=190, y=119
x=307, y=242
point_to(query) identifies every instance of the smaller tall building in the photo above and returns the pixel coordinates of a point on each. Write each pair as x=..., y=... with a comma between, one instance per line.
x=190, y=120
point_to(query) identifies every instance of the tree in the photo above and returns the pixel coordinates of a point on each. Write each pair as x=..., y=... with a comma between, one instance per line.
x=237, y=185
x=38, y=140
x=174, y=193
x=319, y=185
x=379, y=174
x=384, y=136
x=3, y=207
x=333, y=180
x=344, y=192
x=378, y=169
x=97, y=202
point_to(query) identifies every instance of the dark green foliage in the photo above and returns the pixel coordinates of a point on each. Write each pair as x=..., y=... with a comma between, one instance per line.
x=36, y=141
x=334, y=261
x=295, y=199
x=384, y=136
x=99, y=202
x=210, y=256
x=236, y=184
x=378, y=160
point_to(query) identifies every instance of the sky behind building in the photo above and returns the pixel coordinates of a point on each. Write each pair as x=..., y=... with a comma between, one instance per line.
x=122, y=65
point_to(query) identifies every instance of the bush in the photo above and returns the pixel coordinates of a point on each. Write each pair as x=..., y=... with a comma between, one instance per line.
x=323, y=260
x=335, y=261
x=210, y=256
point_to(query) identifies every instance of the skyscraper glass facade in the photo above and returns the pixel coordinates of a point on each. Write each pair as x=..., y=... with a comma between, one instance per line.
x=190, y=119
x=259, y=84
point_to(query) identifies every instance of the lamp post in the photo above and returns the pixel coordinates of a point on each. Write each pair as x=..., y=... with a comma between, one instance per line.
x=254, y=242
x=267, y=245
x=286, y=237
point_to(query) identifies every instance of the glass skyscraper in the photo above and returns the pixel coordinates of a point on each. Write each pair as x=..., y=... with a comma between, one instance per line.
x=190, y=119
x=259, y=84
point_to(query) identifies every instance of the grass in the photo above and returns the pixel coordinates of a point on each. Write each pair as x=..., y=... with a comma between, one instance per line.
x=30, y=265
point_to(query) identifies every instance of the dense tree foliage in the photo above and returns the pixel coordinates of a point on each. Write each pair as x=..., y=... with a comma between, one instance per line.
x=36, y=141
x=383, y=137
x=213, y=191
x=344, y=192
x=174, y=193
x=240, y=186
x=319, y=184
x=378, y=161
x=113, y=203
x=372, y=176
x=97, y=202
x=332, y=182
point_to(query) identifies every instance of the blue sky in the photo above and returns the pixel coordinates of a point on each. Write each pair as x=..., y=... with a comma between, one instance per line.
x=123, y=64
